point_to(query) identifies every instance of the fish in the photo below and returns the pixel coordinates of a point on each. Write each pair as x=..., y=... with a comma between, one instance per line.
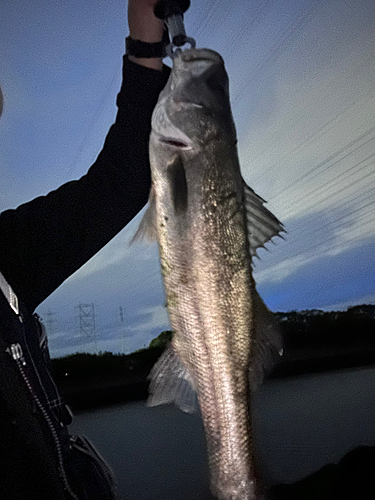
x=209, y=225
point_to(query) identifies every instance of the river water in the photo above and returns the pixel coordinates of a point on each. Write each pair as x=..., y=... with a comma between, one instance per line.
x=300, y=424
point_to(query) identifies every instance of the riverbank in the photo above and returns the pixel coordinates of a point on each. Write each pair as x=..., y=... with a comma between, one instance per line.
x=93, y=381
x=314, y=342
x=352, y=478
x=310, y=434
x=99, y=380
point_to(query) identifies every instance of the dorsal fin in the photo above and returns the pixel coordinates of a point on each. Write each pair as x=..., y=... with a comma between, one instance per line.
x=261, y=223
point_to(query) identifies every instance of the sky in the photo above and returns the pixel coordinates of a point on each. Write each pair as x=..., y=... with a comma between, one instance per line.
x=303, y=98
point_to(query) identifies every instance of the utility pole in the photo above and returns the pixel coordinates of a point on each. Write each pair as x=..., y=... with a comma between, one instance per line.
x=49, y=322
x=123, y=330
x=86, y=321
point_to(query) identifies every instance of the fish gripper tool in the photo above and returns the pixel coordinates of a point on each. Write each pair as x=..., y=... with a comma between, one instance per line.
x=172, y=12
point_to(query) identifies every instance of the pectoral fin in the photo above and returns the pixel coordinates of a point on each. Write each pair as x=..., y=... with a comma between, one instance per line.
x=172, y=383
x=178, y=185
x=147, y=227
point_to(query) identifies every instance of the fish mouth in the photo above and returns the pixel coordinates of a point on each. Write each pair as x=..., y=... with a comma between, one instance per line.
x=186, y=104
x=174, y=143
x=199, y=80
x=197, y=61
x=200, y=55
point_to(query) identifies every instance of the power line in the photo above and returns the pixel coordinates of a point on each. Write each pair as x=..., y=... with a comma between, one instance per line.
x=275, y=139
x=96, y=115
x=246, y=28
x=327, y=188
x=338, y=244
x=324, y=163
x=322, y=214
x=333, y=223
x=207, y=18
x=285, y=38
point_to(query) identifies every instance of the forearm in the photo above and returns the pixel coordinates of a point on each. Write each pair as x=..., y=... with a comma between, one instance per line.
x=46, y=240
x=144, y=26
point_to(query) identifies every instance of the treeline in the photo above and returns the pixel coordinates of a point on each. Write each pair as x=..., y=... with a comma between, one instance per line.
x=318, y=341
x=88, y=380
x=301, y=330
x=314, y=340
x=91, y=366
x=316, y=328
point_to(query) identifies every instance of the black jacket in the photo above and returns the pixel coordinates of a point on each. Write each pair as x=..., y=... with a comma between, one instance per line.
x=43, y=242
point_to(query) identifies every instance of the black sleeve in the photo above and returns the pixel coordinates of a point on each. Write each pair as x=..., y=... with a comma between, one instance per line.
x=46, y=240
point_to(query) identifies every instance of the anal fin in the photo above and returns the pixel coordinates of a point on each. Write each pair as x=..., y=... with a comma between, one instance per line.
x=268, y=346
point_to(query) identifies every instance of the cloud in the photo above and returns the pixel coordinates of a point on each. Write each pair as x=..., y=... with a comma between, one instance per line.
x=134, y=333
x=66, y=343
x=341, y=243
x=304, y=111
x=313, y=153
x=280, y=271
x=312, y=157
x=119, y=251
x=341, y=306
x=357, y=231
x=156, y=317
x=323, y=239
x=115, y=252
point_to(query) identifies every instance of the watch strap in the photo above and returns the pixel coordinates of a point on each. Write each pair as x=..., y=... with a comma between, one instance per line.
x=137, y=48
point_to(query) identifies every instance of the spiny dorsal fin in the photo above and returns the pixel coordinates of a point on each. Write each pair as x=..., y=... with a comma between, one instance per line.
x=261, y=223
x=147, y=227
x=268, y=346
x=172, y=383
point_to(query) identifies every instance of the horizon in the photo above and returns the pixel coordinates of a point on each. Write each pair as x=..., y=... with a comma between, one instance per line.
x=303, y=100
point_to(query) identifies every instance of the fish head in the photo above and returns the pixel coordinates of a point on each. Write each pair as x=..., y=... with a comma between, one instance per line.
x=194, y=107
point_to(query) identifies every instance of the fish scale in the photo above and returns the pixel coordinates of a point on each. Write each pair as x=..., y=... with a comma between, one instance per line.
x=229, y=338
x=209, y=224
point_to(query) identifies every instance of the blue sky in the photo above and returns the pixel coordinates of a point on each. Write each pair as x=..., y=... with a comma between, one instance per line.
x=303, y=97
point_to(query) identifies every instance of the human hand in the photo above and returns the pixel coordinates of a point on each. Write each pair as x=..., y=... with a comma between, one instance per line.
x=144, y=26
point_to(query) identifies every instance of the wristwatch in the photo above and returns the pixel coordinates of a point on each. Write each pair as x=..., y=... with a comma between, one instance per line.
x=137, y=48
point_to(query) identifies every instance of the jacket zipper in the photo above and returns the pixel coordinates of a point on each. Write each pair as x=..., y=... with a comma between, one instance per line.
x=16, y=352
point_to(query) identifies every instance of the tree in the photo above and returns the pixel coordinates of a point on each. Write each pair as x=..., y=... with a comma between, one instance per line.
x=162, y=340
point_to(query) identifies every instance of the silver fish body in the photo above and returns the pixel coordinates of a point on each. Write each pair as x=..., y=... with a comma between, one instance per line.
x=208, y=224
